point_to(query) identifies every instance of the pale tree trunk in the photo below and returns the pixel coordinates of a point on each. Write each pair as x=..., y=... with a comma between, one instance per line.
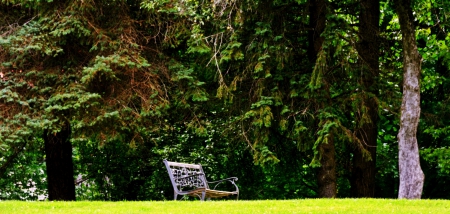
x=326, y=173
x=411, y=175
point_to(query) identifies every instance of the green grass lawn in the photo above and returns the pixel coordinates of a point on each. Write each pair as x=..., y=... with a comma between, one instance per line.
x=270, y=206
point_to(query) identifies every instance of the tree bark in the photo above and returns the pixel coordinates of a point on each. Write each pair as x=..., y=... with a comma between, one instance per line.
x=411, y=174
x=363, y=170
x=326, y=173
x=58, y=151
x=317, y=23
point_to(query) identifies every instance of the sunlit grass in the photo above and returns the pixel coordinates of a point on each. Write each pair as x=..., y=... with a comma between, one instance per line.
x=270, y=206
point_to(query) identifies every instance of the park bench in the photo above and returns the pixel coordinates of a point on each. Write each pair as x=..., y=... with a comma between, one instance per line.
x=189, y=179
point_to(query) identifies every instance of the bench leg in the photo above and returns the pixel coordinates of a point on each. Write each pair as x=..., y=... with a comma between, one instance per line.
x=175, y=196
x=203, y=196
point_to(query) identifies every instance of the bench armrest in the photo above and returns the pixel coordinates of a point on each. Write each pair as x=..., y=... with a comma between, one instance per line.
x=231, y=179
x=188, y=176
x=226, y=179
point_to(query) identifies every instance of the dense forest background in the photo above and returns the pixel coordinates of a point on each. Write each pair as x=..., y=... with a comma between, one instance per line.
x=296, y=98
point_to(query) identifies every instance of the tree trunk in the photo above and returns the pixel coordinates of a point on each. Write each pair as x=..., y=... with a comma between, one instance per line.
x=326, y=173
x=317, y=21
x=411, y=174
x=58, y=151
x=363, y=171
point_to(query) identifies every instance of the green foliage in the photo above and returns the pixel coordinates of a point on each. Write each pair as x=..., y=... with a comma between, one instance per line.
x=25, y=178
x=439, y=156
x=224, y=83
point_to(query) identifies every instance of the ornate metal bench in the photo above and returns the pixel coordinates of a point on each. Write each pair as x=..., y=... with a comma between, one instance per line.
x=189, y=179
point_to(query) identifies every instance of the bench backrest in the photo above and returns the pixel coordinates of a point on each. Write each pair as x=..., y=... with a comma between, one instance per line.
x=184, y=175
